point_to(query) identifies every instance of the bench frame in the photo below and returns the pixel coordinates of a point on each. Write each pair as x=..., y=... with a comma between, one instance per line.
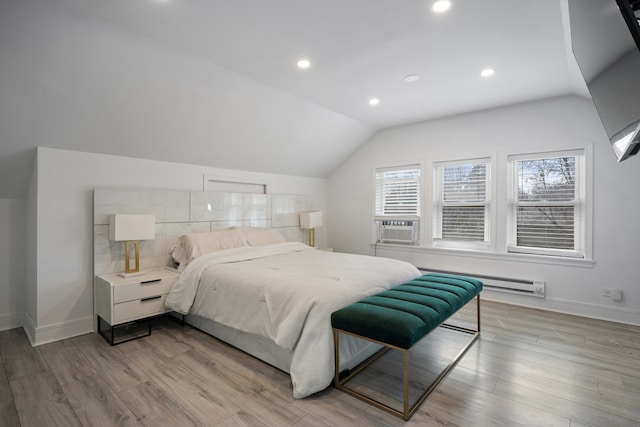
x=408, y=410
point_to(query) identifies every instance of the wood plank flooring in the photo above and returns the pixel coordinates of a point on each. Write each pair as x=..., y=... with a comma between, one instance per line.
x=529, y=368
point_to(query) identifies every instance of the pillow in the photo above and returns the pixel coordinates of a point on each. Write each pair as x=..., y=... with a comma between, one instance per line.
x=262, y=236
x=197, y=244
x=178, y=255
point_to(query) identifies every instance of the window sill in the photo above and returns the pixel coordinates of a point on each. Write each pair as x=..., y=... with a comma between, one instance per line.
x=529, y=258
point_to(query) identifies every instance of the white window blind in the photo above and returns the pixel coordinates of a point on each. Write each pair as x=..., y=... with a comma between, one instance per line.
x=398, y=191
x=547, y=213
x=462, y=200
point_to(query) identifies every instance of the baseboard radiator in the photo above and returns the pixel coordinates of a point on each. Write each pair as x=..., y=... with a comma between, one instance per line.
x=533, y=288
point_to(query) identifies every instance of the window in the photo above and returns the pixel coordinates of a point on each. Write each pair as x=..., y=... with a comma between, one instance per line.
x=462, y=201
x=548, y=204
x=398, y=191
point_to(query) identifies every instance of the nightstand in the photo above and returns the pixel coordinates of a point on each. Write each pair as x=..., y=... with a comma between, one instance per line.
x=125, y=305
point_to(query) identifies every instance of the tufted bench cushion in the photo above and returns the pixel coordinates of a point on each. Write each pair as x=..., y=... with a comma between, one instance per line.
x=401, y=316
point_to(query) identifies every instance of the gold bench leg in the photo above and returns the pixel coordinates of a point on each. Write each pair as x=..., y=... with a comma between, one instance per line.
x=408, y=410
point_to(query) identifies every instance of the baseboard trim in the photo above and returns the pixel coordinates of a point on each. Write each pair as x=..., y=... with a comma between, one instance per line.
x=61, y=331
x=29, y=327
x=10, y=321
x=593, y=311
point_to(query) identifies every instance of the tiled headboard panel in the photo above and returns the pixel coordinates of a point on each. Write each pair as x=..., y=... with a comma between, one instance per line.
x=179, y=212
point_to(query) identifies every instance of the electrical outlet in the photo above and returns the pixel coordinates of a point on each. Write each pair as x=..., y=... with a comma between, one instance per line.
x=616, y=294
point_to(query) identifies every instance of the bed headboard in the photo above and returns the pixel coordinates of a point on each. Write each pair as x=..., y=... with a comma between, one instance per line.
x=179, y=212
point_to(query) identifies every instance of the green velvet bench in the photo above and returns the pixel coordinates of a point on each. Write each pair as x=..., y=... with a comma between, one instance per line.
x=400, y=317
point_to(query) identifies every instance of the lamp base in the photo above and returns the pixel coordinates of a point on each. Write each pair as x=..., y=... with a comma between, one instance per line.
x=312, y=238
x=128, y=270
x=134, y=274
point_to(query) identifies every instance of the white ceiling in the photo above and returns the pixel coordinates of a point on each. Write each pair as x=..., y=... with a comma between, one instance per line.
x=365, y=48
x=236, y=59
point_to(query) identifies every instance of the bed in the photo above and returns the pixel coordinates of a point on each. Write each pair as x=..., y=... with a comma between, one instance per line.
x=274, y=298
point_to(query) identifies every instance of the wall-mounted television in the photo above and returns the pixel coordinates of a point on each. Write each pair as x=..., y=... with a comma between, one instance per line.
x=605, y=38
x=630, y=10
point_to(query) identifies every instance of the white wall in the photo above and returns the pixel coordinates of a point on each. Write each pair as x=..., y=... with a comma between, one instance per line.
x=69, y=80
x=65, y=181
x=12, y=262
x=559, y=123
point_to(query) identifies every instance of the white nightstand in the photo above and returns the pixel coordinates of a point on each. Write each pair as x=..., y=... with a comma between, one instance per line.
x=124, y=304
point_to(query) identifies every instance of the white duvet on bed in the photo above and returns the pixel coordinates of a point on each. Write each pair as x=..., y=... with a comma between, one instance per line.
x=285, y=292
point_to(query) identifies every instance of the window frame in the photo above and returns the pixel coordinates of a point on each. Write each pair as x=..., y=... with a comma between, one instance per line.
x=379, y=213
x=580, y=204
x=439, y=203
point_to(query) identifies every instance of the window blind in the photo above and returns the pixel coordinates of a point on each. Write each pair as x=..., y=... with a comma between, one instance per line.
x=398, y=191
x=463, y=202
x=547, y=203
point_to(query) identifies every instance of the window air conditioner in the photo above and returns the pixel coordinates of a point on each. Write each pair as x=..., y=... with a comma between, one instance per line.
x=398, y=230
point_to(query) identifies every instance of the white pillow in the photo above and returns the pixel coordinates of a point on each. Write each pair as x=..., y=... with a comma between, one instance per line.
x=197, y=244
x=262, y=236
x=179, y=256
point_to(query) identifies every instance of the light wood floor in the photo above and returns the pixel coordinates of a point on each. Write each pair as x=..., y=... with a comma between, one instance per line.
x=530, y=368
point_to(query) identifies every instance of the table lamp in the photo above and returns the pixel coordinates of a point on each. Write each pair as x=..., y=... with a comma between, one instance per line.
x=131, y=229
x=311, y=220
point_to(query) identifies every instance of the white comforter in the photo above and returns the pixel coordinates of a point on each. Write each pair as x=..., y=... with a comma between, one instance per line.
x=285, y=292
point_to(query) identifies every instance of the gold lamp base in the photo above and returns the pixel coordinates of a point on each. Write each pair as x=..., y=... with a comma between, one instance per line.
x=312, y=237
x=130, y=271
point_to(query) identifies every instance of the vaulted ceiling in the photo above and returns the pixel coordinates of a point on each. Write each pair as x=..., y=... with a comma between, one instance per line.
x=215, y=82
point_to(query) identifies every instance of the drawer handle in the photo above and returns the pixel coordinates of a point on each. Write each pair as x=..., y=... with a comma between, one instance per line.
x=148, y=282
x=150, y=298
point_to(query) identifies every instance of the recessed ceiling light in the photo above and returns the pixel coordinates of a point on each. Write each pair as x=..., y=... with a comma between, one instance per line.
x=303, y=64
x=440, y=6
x=411, y=78
x=487, y=72
x=374, y=101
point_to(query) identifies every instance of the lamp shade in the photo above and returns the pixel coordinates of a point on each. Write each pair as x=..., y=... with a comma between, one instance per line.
x=125, y=227
x=311, y=219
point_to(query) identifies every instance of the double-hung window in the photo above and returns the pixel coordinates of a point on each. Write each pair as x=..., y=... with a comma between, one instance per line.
x=398, y=191
x=547, y=206
x=397, y=210
x=462, y=201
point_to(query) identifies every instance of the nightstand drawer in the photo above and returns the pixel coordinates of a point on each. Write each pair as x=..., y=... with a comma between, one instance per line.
x=150, y=305
x=143, y=288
